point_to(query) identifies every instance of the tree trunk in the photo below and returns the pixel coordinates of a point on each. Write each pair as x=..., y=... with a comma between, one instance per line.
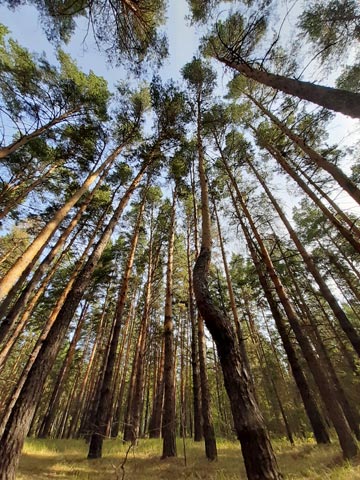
x=169, y=416
x=339, y=313
x=258, y=455
x=84, y=382
x=230, y=290
x=334, y=99
x=207, y=425
x=38, y=245
x=20, y=419
x=104, y=409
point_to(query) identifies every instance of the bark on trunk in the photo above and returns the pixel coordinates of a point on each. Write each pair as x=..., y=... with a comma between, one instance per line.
x=339, y=313
x=334, y=99
x=258, y=455
x=338, y=175
x=105, y=408
x=20, y=419
x=169, y=416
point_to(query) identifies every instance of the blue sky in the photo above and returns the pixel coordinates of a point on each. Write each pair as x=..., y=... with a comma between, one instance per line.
x=183, y=41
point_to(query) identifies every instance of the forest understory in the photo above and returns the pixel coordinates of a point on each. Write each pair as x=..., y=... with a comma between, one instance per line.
x=44, y=459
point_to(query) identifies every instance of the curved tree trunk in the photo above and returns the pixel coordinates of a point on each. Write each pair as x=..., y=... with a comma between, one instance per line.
x=258, y=455
x=208, y=427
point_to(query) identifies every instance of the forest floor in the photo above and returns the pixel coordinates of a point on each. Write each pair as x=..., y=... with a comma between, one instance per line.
x=66, y=459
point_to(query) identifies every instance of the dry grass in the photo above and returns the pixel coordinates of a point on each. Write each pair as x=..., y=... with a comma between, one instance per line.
x=66, y=459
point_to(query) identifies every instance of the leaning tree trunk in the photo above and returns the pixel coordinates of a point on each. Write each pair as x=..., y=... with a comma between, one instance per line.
x=21, y=416
x=338, y=175
x=169, y=416
x=334, y=99
x=39, y=243
x=313, y=413
x=346, y=438
x=258, y=455
x=346, y=233
x=339, y=313
x=24, y=139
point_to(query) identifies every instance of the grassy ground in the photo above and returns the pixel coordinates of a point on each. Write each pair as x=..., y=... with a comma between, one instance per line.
x=66, y=459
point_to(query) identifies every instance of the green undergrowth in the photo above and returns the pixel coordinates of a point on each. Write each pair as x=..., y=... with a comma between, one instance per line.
x=66, y=459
